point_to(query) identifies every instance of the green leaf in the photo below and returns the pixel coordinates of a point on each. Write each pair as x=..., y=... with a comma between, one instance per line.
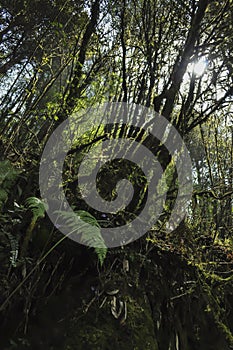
x=90, y=231
x=37, y=206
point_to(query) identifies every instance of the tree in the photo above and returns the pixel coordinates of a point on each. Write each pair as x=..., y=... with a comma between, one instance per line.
x=174, y=57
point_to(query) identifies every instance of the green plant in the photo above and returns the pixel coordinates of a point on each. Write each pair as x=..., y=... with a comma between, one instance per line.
x=38, y=208
x=89, y=230
x=8, y=175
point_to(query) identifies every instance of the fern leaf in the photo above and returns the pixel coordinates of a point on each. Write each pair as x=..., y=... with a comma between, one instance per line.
x=37, y=206
x=89, y=230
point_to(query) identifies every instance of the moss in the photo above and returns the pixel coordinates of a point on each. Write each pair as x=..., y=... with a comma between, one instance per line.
x=99, y=330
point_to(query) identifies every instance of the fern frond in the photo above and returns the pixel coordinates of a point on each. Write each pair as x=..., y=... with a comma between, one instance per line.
x=101, y=254
x=37, y=206
x=89, y=230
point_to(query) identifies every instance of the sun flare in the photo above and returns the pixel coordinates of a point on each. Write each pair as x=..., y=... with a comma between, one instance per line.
x=199, y=67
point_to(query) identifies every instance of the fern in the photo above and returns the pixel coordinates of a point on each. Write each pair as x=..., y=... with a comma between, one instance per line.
x=38, y=208
x=89, y=231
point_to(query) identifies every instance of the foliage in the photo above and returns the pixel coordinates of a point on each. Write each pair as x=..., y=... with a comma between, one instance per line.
x=89, y=230
x=37, y=206
x=59, y=58
x=8, y=175
x=38, y=209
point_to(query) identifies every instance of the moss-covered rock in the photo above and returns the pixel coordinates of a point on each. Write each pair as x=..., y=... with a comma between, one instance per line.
x=99, y=330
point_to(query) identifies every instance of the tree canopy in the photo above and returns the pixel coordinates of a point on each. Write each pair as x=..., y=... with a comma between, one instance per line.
x=61, y=57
